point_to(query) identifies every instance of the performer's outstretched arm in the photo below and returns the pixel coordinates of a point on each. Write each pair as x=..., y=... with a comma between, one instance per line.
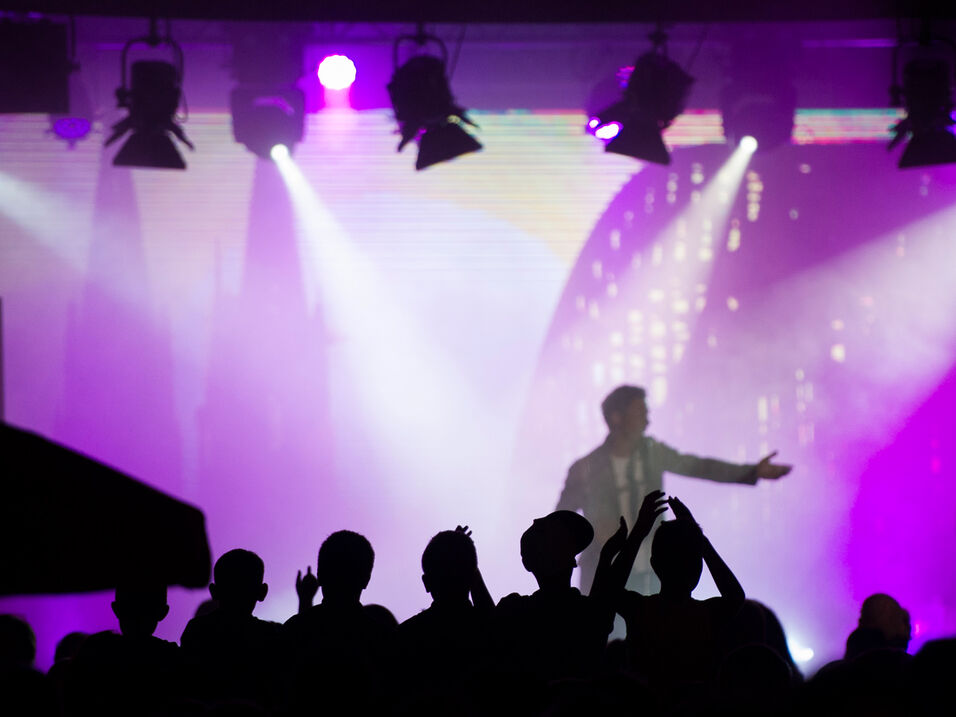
x=687, y=464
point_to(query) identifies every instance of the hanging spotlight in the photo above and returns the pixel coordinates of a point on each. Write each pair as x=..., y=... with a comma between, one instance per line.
x=152, y=99
x=760, y=100
x=268, y=108
x=425, y=108
x=655, y=93
x=927, y=96
x=336, y=72
x=73, y=125
x=267, y=117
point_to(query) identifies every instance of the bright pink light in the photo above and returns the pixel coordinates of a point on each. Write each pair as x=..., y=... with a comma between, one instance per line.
x=608, y=131
x=594, y=123
x=336, y=72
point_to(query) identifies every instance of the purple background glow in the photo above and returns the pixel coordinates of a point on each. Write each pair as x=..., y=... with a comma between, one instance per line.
x=351, y=344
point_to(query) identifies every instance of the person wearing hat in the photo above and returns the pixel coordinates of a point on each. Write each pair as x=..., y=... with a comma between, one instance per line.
x=556, y=632
x=612, y=480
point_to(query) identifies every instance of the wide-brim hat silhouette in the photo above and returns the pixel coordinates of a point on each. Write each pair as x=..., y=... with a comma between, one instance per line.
x=554, y=540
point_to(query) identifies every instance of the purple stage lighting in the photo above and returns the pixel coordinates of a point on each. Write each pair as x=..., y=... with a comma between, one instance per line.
x=71, y=129
x=336, y=72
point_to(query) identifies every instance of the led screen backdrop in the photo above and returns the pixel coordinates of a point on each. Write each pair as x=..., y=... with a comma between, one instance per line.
x=340, y=342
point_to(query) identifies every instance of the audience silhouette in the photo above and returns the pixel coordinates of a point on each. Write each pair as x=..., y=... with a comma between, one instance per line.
x=541, y=654
x=132, y=672
x=337, y=651
x=673, y=640
x=556, y=632
x=442, y=650
x=233, y=653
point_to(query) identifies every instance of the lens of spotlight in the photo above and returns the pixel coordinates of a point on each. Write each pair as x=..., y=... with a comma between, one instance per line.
x=748, y=143
x=608, y=131
x=278, y=152
x=336, y=72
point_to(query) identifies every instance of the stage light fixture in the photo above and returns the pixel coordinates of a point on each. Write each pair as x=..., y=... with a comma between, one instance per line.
x=760, y=100
x=279, y=152
x=424, y=106
x=263, y=117
x=152, y=98
x=749, y=143
x=70, y=129
x=336, y=72
x=73, y=124
x=927, y=96
x=655, y=93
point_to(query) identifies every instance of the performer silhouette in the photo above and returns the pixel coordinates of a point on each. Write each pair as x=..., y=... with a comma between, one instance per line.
x=613, y=479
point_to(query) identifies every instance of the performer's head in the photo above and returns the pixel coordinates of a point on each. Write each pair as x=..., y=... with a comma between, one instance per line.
x=677, y=555
x=625, y=411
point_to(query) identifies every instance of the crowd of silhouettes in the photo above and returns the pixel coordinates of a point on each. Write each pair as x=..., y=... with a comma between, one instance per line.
x=541, y=654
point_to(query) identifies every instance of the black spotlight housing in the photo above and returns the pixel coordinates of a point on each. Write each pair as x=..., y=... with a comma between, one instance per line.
x=655, y=94
x=927, y=96
x=425, y=109
x=760, y=98
x=152, y=99
x=263, y=117
x=765, y=113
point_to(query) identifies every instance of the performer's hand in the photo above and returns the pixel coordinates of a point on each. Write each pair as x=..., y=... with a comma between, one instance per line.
x=463, y=529
x=767, y=469
x=654, y=504
x=614, y=544
x=306, y=586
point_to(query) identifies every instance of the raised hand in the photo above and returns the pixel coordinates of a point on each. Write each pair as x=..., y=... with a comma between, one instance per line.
x=767, y=469
x=654, y=504
x=480, y=596
x=306, y=586
x=681, y=511
x=613, y=545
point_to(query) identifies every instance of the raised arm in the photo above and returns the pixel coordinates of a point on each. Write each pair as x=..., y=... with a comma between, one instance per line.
x=727, y=584
x=306, y=586
x=610, y=580
x=480, y=596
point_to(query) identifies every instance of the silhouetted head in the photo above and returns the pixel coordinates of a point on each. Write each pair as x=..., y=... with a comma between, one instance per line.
x=677, y=555
x=881, y=612
x=140, y=606
x=549, y=546
x=381, y=616
x=448, y=565
x=238, y=582
x=625, y=411
x=18, y=644
x=345, y=565
x=69, y=646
